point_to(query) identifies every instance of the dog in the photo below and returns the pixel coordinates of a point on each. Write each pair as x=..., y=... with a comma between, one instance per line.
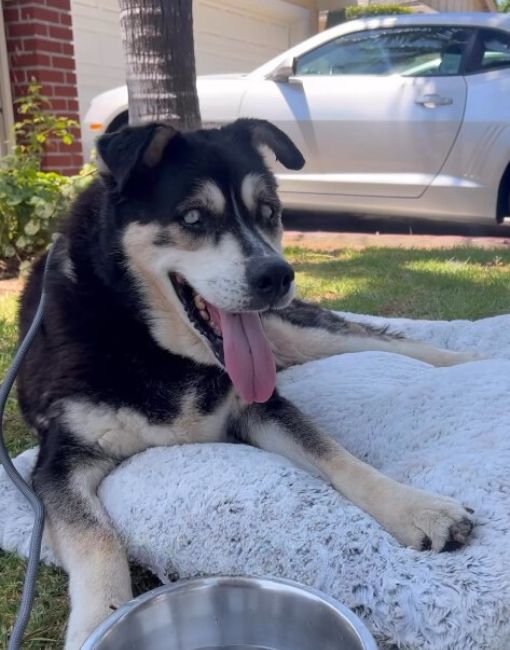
x=169, y=311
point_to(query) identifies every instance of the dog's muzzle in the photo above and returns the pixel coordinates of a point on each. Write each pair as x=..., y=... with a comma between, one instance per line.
x=270, y=279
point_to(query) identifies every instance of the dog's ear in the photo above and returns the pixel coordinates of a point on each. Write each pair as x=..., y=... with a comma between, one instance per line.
x=133, y=147
x=262, y=132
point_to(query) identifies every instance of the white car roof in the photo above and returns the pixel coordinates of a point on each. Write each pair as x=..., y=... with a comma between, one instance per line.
x=494, y=20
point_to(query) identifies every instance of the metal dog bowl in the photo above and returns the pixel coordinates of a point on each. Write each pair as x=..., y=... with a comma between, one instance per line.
x=232, y=614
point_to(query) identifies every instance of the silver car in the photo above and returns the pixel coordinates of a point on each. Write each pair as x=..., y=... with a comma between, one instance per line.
x=406, y=115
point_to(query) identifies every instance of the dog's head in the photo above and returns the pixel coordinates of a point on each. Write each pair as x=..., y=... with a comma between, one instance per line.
x=200, y=225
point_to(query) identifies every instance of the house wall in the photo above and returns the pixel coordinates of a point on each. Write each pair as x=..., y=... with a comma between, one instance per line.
x=6, y=112
x=39, y=42
x=461, y=5
x=436, y=5
x=230, y=36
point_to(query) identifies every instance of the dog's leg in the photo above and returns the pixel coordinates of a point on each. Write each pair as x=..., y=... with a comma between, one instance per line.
x=414, y=517
x=303, y=332
x=83, y=537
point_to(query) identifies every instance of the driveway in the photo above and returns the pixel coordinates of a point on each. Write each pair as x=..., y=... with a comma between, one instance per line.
x=352, y=231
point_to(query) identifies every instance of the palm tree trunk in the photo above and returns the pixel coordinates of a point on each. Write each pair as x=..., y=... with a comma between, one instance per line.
x=160, y=61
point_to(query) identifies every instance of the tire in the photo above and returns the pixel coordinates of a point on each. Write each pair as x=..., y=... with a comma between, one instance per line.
x=118, y=122
x=503, y=205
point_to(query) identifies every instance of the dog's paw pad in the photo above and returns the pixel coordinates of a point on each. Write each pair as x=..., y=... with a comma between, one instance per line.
x=459, y=533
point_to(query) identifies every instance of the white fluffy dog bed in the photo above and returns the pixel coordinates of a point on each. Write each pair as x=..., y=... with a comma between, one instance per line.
x=231, y=509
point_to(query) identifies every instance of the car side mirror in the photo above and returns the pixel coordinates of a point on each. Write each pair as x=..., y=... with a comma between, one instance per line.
x=283, y=71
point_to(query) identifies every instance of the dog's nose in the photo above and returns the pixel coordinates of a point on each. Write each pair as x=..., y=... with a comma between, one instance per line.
x=270, y=279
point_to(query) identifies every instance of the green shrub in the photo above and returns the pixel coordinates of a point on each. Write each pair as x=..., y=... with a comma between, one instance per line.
x=31, y=200
x=351, y=13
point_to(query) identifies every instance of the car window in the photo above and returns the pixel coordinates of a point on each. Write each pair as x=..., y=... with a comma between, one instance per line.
x=408, y=51
x=491, y=51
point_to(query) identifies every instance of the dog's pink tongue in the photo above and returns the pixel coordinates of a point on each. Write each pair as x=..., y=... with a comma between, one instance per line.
x=248, y=357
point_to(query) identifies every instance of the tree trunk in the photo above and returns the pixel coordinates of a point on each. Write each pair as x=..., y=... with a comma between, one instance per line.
x=160, y=61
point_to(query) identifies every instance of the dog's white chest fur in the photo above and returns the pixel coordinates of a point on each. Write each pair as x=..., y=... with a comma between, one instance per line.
x=123, y=432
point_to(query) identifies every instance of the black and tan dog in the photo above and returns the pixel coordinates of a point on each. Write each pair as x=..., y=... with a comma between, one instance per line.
x=169, y=310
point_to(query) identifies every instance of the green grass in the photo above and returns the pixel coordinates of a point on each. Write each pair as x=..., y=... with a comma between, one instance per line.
x=438, y=284
x=50, y=607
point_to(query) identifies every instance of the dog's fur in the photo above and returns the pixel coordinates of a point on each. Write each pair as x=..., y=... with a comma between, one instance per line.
x=120, y=364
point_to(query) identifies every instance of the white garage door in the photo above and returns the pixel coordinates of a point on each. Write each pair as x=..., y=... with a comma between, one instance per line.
x=97, y=48
x=239, y=35
x=230, y=36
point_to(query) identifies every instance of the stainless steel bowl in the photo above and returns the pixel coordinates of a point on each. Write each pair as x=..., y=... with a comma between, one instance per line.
x=232, y=614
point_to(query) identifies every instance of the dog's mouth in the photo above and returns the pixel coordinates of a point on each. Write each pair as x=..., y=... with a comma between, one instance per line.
x=237, y=340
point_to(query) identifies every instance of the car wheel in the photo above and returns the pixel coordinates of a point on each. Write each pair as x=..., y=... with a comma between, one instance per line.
x=118, y=122
x=503, y=206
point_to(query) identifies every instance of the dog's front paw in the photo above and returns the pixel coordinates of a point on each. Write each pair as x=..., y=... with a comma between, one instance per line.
x=427, y=521
x=82, y=624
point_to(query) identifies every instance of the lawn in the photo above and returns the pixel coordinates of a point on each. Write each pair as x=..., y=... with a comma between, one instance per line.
x=438, y=284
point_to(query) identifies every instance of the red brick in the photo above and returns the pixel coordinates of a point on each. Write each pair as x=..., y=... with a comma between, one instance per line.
x=74, y=147
x=65, y=19
x=18, y=76
x=11, y=14
x=51, y=76
x=30, y=60
x=46, y=90
x=14, y=30
x=56, y=106
x=57, y=159
x=40, y=29
x=43, y=45
x=64, y=91
x=63, y=62
x=19, y=89
x=63, y=33
x=20, y=3
x=40, y=13
x=25, y=60
x=72, y=105
x=67, y=48
x=59, y=4
x=26, y=29
x=59, y=105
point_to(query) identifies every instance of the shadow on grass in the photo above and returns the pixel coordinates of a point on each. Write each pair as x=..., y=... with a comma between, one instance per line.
x=436, y=284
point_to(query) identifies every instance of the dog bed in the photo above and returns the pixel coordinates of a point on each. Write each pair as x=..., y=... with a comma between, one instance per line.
x=231, y=509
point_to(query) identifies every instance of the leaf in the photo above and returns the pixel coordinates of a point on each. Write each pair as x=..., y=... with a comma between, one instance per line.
x=21, y=242
x=31, y=228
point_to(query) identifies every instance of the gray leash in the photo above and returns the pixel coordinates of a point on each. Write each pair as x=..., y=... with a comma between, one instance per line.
x=27, y=597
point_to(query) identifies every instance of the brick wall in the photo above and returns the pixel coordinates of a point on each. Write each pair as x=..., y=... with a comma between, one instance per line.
x=39, y=41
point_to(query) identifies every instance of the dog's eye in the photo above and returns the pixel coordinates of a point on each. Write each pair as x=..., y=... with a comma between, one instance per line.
x=267, y=211
x=192, y=218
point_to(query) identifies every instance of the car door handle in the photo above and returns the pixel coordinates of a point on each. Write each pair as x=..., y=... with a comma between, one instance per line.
x=432, y=101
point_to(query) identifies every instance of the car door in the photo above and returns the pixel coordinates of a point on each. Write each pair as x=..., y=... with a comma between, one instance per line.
x=375, y=112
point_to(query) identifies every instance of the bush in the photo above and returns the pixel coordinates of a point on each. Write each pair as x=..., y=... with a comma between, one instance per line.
x=31, y=200
x=351, y=13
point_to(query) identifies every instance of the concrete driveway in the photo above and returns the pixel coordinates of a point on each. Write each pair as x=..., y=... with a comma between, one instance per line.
x=330, y=231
